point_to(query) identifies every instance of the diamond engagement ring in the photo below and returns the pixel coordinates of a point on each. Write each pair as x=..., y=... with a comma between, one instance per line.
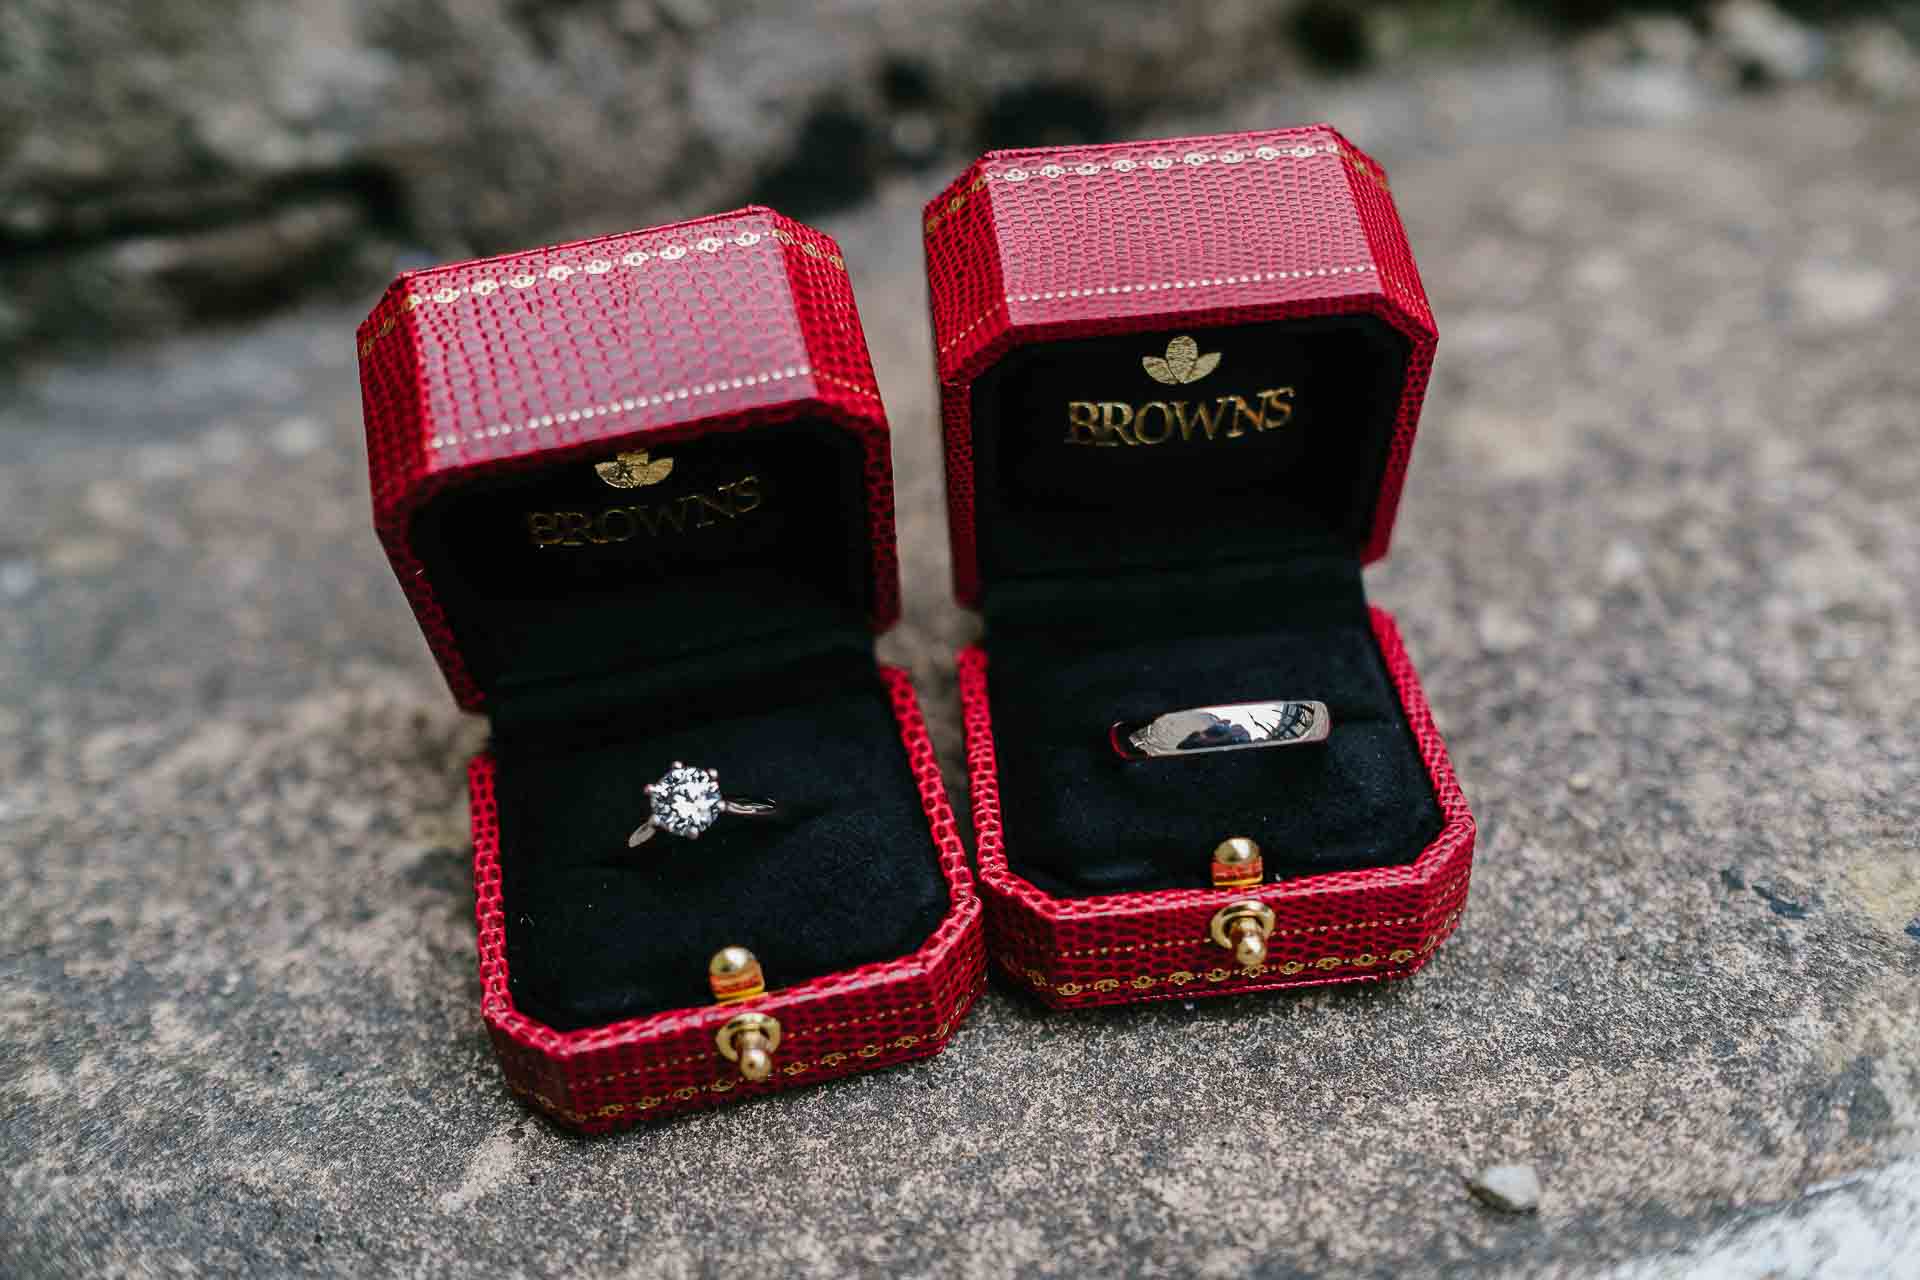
x=686, y=801
x=1239, y=726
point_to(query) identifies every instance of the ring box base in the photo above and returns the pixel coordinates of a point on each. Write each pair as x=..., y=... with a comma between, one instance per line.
x=1358, y=926
x=1179, y=383
x=638, y=492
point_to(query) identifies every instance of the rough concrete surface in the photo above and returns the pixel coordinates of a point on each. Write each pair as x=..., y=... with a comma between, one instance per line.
x=1658, y=565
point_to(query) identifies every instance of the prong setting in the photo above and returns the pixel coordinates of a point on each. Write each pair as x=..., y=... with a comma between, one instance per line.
x=685, y=801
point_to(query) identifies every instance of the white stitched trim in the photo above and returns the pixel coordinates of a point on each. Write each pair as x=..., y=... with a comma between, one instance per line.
x=1163, y=161
x=561, y=272
x=630, y=404
x=1155, y=286
x=612, y=407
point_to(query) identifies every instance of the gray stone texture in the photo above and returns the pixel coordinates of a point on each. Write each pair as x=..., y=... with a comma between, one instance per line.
x=163, y=161
x=326, y=137
x=1657, y=564
x=1509, y=1188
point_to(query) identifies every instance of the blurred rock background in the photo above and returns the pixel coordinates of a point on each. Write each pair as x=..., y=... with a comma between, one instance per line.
x=164, y=161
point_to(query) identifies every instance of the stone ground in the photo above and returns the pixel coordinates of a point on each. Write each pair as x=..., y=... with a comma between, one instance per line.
x=1658, y=564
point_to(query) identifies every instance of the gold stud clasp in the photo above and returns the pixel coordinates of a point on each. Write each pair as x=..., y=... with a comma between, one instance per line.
x=734, y=974
x=1242, y=928
x=1237, y=863
x=750, y=1039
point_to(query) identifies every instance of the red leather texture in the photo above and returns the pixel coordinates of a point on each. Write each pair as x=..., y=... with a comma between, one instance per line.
x=1349, y=926
x=1046, y=245
x=744, y=320
x=1054, y=243
x=535, y=359
x=610, y=1077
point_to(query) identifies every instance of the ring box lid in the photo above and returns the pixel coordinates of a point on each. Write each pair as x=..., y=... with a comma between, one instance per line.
x=728, y=344
x=1115, y=275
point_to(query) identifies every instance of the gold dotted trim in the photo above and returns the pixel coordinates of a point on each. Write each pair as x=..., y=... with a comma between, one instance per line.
x=796, y=1034
x=726, y=1084
x=871, y=1017
x=560, y=273
x=859, y=389
x=1440, y=894
x=1134, y=946
x=956, y=202
x=630, y=404
x=1180, y=978
x=1158, y=163
x=979, y=320
x=1277, y=933
x=1155, y=286
x=1371, y=172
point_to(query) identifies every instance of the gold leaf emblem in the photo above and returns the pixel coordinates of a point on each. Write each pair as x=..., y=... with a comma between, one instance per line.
x=1182, y=363
x=633, y=470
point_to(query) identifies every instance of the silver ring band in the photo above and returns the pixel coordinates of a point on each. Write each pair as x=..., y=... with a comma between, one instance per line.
x=685, y=801
x=1238, y=726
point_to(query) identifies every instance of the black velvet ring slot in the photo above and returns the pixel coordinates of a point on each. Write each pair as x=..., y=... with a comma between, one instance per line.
x=733, y=640
x=846, y=875
x=1130, y=573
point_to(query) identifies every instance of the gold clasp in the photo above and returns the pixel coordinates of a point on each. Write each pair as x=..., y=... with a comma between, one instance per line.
x=1242, y=928
x=734, y=974
x=1237, y=864
x=750, y=1039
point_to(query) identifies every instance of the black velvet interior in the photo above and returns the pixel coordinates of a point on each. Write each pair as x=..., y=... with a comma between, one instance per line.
x=1047, y=507
x=742, y=649
x=1124, y=580
x=718, y=569
x=846, y=876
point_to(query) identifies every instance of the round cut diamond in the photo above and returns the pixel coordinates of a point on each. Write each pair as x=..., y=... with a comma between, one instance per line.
x=686, y=801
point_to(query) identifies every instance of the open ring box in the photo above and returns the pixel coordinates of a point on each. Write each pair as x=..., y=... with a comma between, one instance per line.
x=1179, y=383
x=638, y=491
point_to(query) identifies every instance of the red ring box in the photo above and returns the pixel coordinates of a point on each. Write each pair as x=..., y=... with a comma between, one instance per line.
x=1179, y=382
x=638, y=491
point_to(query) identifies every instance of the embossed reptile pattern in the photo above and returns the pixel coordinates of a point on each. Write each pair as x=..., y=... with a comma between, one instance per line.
x=1055, y=243
x=1350, y=926
x=610, y=1077
x=1058, y=243
x=574, y=351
